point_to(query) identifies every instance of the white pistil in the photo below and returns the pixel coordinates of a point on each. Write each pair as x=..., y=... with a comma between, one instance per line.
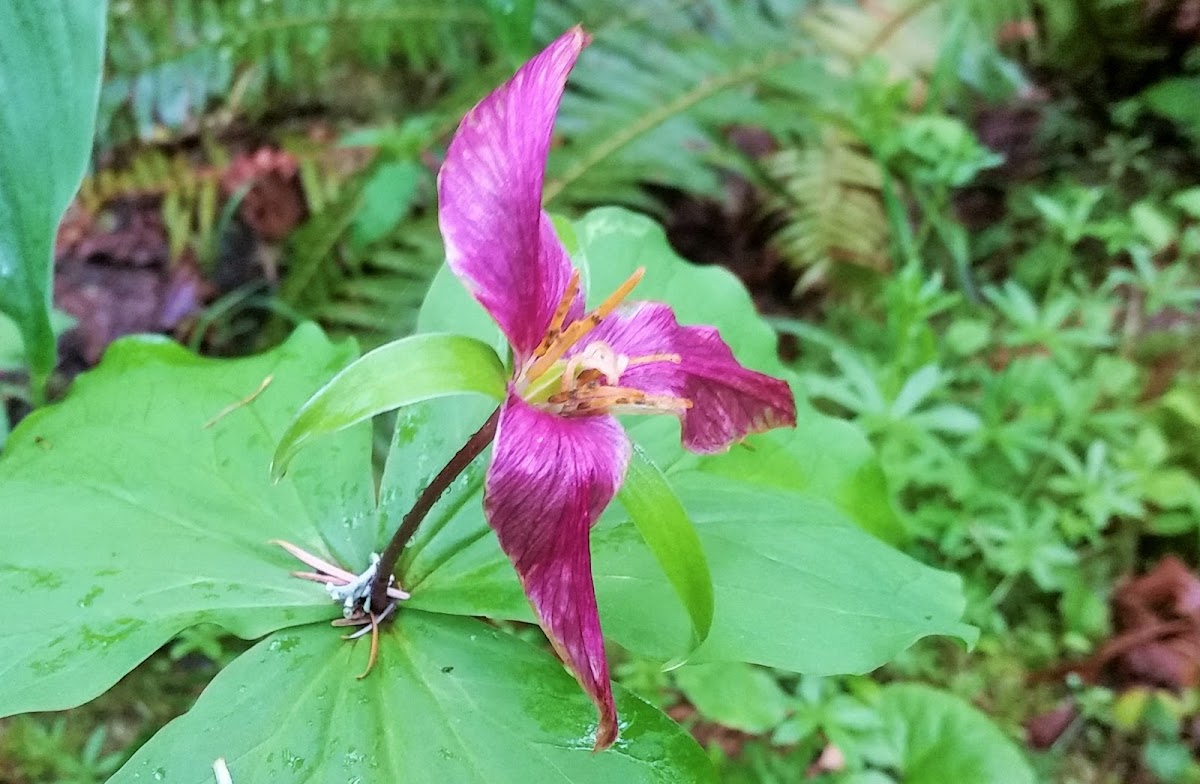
x=343, y=586
x=356, y=593
x=597, y=356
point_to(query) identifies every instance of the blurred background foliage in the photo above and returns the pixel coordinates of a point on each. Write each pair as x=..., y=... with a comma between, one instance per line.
x=975, y=225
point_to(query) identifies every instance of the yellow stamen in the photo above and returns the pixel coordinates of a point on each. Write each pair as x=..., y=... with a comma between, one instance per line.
x=560, y=314
x=559, y=343
x=618, y=296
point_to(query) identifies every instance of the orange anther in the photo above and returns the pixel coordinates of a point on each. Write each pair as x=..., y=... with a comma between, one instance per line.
x=558, y=344
x=560, y=314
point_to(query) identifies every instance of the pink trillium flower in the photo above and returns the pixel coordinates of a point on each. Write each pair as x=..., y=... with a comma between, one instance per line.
x=559, y=453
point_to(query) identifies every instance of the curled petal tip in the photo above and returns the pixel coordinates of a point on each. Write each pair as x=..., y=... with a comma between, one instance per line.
x=579, y=36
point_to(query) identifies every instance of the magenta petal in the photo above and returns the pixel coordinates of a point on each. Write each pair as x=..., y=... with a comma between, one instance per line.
x=549, y=480
x=498, y=239
x=728, y=401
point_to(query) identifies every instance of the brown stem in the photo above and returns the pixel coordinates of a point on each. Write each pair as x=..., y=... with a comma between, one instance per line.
x=429, y=496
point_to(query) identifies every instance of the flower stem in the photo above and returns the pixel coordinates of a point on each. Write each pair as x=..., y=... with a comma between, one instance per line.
x=429, y=496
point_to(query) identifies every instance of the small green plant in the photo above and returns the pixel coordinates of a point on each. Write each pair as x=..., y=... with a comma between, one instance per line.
x=44, y=752
x=1018, y=443
x=844, y=730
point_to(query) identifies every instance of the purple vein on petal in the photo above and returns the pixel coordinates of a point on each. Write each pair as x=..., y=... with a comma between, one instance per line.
x=729, y=401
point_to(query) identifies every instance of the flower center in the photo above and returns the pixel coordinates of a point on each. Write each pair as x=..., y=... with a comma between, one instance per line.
x=588, y=382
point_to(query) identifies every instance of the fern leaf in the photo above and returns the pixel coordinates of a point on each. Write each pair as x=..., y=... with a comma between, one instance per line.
x=906, y=34
x=372, y=293
x=167, y=59
x=830, y=203
x=652, y=95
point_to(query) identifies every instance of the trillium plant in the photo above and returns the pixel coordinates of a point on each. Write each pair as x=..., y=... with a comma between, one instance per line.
x=523, y=485
x=560, y=453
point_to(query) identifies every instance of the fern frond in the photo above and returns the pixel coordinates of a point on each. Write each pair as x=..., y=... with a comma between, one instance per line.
x=372, y=293
x=167, y=59
x=150, y=173
x=830, y=203
x=906, y=34
x=653, y=93
x=377, y=297
x=188, y=194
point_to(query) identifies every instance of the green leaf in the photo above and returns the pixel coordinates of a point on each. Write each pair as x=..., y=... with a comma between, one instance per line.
x=665, y=528
x=387, y=197
x=50, y=64
x=512, y=21
x=128, y=518
x=844, y=470
x=392, y=376
x=449, y=700
x=1188, y=200
x=1172, y=488
x=12, y=346
x=736, y=695
x=1153, y=225
x=1175, y=99
x=940, y=738
x=796, y=584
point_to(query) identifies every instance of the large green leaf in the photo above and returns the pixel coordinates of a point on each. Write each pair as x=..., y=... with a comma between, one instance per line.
x=131, y=511
x=450, y=700
x=130, y=517
x=797, y=584
x=396, y=374
x=50, y=65
x=825, y=457
x=940, y=738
